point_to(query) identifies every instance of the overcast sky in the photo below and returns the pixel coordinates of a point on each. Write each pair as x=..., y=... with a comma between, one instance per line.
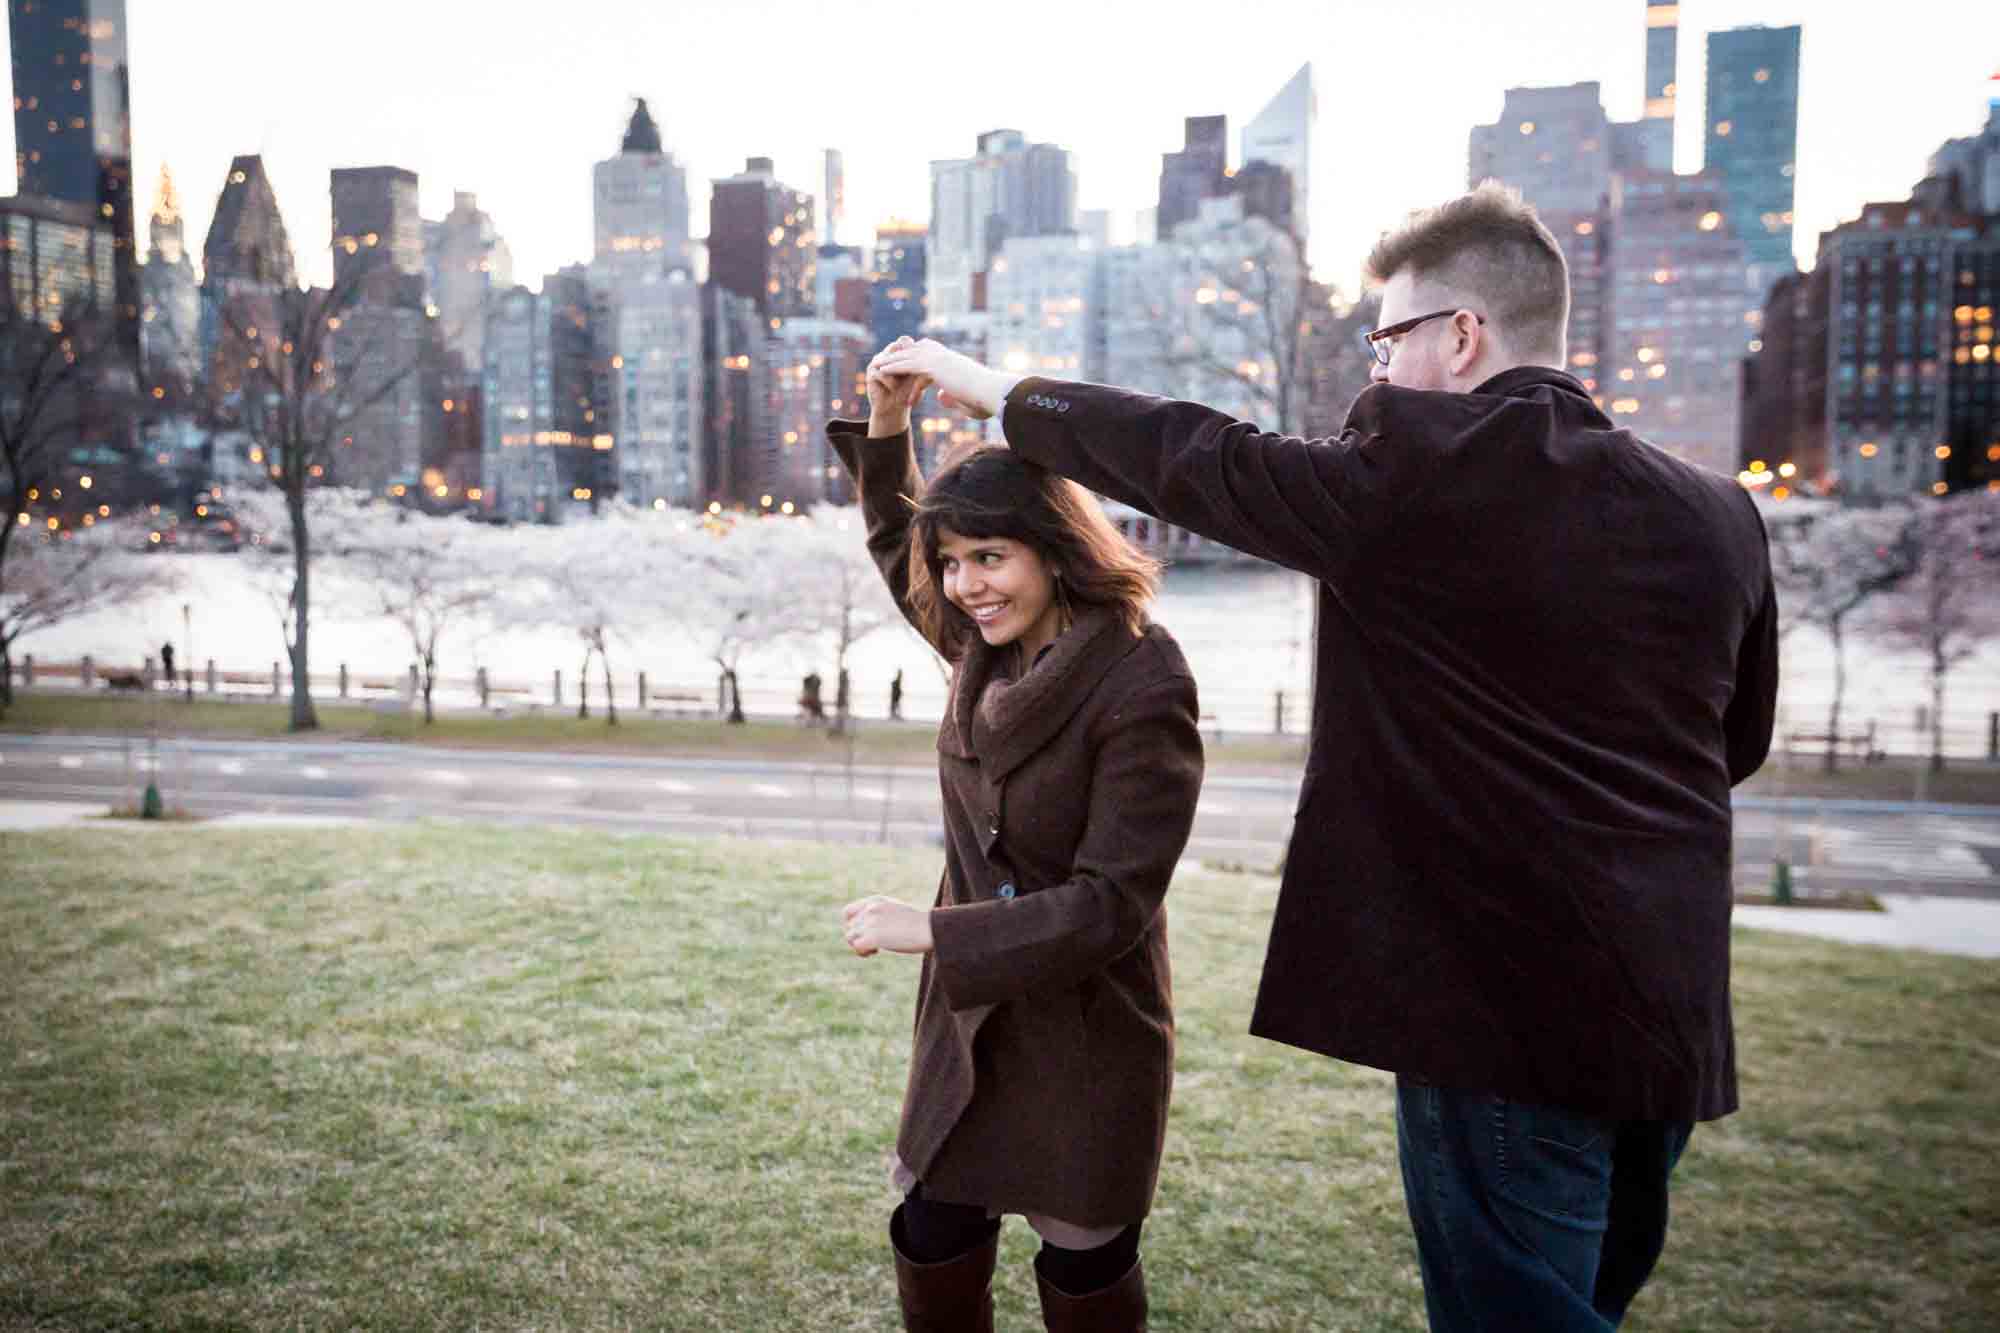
x=516, y=102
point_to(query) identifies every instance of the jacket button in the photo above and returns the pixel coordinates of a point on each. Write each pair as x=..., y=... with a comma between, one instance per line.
x=1006, y=890
x=993, y=825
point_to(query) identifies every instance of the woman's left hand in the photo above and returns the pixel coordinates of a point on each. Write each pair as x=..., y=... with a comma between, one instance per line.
x=876, y=923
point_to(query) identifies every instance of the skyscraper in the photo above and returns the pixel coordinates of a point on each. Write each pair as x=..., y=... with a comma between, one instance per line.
x=1281, y=134
x=246, y=263
x=1198, y=171
x=1010, y=187
x=55, y=254
x=1974, y=161
x=817, y=369
x=656, y=384
x=1551, y=144
x=385, y=332
x=639, y=209
x=169, y=331
x=1752, y=137
x=73, y=124
x=761, y=241
x=896, y=301
x=467, y=260
x=1887, y=382
x=1648, y=143
x=541, y=440
x=834, y=197
x=1678, y=315
x=1039, y=300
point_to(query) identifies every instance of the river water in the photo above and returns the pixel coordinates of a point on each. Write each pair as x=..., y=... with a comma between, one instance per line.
x=1246, y=631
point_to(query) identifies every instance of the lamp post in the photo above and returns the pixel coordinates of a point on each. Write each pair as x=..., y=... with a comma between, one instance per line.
x=187, y=646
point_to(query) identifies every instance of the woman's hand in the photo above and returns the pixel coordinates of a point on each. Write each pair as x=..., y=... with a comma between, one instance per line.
x=963, y=383
x=875, y=923
x=891, y=397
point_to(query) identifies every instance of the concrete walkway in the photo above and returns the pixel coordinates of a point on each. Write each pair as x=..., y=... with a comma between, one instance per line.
x=1966, y=926
x=27, y=816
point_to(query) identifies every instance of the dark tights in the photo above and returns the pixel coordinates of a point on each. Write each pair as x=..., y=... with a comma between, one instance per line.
x=929, y=1232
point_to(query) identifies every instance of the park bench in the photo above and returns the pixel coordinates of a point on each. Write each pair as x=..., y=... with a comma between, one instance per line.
x=678, y=702
x=1858, y=744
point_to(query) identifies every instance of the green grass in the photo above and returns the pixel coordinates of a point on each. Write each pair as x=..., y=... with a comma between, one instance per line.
x=431, y=1077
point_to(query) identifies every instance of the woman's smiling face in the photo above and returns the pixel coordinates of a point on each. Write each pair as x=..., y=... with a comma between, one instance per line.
x=1006, y=588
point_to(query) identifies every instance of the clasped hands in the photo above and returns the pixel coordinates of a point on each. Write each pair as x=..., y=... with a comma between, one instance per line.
x=901, y=372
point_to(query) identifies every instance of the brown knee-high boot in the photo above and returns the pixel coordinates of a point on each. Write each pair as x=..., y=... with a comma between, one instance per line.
x=955, y=1296
x=1118, y=1308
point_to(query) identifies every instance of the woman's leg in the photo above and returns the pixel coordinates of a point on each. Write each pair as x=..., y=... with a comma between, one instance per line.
x=1093, y=1283
x=930, y=1232
x=944, y=1264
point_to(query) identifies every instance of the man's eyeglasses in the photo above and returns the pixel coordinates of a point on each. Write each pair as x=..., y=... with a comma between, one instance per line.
x=1381, y=343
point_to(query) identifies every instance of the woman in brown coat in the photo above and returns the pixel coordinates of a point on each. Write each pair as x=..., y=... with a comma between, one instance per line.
x=1070, y=763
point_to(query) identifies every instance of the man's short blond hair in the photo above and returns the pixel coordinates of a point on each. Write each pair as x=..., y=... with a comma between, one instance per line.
x=1488, y=247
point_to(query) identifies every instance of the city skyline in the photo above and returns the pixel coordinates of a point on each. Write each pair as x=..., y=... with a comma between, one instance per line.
x=202, y=94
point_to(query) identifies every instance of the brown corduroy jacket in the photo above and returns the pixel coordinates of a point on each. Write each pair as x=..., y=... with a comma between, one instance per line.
x=1043, y=1056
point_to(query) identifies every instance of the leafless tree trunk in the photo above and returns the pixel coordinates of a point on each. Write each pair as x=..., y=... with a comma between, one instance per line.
x=53, y=370
x=280, y=388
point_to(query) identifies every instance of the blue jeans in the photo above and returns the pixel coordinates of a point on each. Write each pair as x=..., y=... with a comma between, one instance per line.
x=1531, y=1217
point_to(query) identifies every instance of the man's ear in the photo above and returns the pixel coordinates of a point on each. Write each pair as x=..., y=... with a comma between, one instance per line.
x=1468, y=337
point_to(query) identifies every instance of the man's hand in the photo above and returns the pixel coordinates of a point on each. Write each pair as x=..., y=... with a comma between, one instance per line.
x=891, y=397
x=963, y=384
x=875, y=923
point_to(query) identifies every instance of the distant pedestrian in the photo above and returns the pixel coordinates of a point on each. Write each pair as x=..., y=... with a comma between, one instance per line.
x=811, y=709
x=896, y=697
x=167, y=663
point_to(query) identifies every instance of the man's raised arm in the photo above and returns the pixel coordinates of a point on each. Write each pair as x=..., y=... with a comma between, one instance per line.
x=1306, y=504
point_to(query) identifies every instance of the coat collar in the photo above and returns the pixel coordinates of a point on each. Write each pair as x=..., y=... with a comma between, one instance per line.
x=1001, y=721
x=1522, y=381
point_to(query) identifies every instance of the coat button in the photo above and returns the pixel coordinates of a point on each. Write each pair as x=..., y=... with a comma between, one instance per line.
x=1006, y=890
x=993, y=825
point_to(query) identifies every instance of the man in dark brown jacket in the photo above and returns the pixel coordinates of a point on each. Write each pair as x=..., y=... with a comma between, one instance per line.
x=1547, y=650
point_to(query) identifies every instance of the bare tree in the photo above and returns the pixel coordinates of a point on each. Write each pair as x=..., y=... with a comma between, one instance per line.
x=843, y=596
x=1829, y=566
x=1227, y=313
x=426, y=574
x=602, y=579
x=58, y=576
x=746, y=593
x=1950, y=604
x=276, y=382
x=57, y=373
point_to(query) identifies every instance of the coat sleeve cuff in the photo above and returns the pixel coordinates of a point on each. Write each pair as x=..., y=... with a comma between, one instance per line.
x=966, y=972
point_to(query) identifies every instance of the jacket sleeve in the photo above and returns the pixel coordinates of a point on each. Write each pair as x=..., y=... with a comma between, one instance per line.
x=1309, y=505
x=1144, y=783
x=886, y=478
x=1752, y=711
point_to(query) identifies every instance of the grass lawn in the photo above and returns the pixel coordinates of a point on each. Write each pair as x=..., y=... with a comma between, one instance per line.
x=430, y=1077
x=875, y=742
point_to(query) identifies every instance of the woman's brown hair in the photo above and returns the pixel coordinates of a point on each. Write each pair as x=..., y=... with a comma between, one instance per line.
x=989, y=491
